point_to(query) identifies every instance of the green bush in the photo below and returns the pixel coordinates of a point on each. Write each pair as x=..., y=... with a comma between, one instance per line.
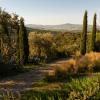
x=85, y=65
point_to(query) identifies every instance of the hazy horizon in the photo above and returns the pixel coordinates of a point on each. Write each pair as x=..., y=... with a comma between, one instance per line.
x=53, y=12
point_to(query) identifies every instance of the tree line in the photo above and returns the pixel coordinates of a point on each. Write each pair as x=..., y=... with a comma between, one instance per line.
x=13, y=24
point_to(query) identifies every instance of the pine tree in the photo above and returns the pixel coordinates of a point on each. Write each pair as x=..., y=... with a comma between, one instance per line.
x=84, y=35
x=93, y=39
x=23, y=43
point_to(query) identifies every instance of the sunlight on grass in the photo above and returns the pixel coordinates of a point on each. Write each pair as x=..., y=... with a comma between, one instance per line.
x=46, y=86
x=12, y=83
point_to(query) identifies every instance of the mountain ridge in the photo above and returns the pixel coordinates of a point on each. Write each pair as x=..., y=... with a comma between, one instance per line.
x=61, y=27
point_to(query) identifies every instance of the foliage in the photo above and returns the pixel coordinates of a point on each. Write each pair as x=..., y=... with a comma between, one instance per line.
x=82, y=66
x=9, y=37
x=93, y=40
x=49, y=46
x=23, y=43
x=5, y=19
x=41, y=46
x=84, y=35
x=87, y=88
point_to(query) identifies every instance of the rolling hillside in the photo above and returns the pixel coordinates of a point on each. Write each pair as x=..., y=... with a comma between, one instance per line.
x=63, y=27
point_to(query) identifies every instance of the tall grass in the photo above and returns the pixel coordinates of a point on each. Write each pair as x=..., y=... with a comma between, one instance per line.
x=81, y=65
x=87, y=88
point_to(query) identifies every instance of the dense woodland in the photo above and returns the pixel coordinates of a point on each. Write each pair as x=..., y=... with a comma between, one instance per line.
x=21, y=46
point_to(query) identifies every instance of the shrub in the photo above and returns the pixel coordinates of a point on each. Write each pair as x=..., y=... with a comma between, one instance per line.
x=89, y=63
x=8, y=69
x=50, y=46
x=62, y=72
x=86, y=65
x=49, y=77
x=97, y=65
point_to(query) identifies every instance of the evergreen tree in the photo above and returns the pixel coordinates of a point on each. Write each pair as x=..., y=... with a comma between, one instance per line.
x=23, y=43
x=1, y=41
x=93, y=39
x=26, y=45
x=4, y=21
x=17, y=44
x=15, y=21
x=84, y=35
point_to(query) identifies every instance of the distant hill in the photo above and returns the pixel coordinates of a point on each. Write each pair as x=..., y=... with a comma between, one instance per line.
x=63, y=27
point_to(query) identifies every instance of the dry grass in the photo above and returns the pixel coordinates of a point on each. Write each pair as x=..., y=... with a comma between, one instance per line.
x=8, y=83
x=93, y=56
x=45, y=86
x=90, y=61
x=83, y=65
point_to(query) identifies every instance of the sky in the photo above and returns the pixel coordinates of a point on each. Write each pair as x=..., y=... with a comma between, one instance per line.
x=53, y=12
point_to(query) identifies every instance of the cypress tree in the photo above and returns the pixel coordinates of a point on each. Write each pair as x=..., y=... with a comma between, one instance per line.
x=93, y=39
x=16, y=27
x=84, y=35
x=17, y=44
x=23, y=43
x=3, y=31
x=1, y=41
x=26, y=45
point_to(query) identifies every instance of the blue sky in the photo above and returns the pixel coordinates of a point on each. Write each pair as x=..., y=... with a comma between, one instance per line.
x=51, y=12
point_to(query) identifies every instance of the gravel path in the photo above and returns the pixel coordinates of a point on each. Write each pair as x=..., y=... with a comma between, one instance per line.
x=24, y=81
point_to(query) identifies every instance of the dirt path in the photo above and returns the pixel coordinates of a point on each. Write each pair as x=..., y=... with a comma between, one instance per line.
x=25, y=80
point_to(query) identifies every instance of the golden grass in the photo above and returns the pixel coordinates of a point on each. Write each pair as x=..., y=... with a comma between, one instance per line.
x=8, y=83
x=85, y=64
x=50, y=86
x=93, y=56
x=11, y=83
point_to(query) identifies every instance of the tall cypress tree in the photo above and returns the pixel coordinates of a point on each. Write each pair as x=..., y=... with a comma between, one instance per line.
x=17, y=44
x=17, y=41
x=23, y=43
x=93, y=39
x=1, y=41
x=15, y=26
x=84, y=35
x=26, y=45
x=4, y=16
